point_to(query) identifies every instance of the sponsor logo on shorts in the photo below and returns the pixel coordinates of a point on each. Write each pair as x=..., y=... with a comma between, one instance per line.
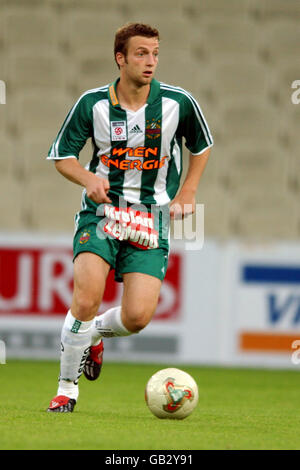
x=136, y=227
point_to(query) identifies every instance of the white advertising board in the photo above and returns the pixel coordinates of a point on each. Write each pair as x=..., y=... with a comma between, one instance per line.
x=261, y=304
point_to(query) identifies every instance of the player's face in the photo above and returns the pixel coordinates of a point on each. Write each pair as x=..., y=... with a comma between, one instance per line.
x=141, y=60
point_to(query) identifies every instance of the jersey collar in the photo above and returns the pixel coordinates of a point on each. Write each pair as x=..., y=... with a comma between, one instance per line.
x=113, y=98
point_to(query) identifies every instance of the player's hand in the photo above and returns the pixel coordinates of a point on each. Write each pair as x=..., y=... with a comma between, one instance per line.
x=183, y=205
x=97, y=189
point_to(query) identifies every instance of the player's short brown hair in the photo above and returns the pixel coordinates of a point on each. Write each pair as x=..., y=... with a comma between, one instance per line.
x=129, y=30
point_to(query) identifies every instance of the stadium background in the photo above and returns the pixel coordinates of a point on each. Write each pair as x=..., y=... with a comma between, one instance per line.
x=239, y=59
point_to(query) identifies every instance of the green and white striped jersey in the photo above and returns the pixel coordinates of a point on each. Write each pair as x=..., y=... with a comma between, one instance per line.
x=139, y=152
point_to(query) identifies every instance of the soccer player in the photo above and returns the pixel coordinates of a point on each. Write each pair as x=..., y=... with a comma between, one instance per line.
x=136, y=125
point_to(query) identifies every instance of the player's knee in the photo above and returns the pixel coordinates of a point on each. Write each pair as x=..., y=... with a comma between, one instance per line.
x=85, y=307
x=137, y=320
x=138, y=325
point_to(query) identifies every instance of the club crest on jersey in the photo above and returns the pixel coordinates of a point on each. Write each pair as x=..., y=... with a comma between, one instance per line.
x=153, y=128
x=85, y=236
x=118, y=130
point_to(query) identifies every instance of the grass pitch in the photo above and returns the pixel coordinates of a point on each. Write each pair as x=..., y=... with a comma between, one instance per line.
x=237, y=409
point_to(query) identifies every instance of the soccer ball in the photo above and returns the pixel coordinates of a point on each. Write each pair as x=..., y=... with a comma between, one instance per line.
x=171, y=393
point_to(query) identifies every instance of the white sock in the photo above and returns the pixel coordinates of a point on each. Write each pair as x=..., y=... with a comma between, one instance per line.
x=75, y=344
x=108, y=324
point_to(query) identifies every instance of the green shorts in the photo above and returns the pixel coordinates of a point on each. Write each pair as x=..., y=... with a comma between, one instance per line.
x=122, y=255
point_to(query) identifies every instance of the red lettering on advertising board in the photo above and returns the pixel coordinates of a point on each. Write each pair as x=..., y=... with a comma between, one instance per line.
x=39, y=281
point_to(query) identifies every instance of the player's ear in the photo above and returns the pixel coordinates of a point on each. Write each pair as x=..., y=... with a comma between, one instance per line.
x=120, y=59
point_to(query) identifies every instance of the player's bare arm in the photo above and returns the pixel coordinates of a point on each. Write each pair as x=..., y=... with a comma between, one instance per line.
x=184, y=203
x=96, y=187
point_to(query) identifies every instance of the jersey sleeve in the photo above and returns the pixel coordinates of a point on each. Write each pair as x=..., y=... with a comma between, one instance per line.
x=75, y=131
x=194, y=126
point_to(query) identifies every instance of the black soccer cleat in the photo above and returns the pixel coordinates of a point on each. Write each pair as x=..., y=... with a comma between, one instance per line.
x=62, y=404
x=93, y=364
